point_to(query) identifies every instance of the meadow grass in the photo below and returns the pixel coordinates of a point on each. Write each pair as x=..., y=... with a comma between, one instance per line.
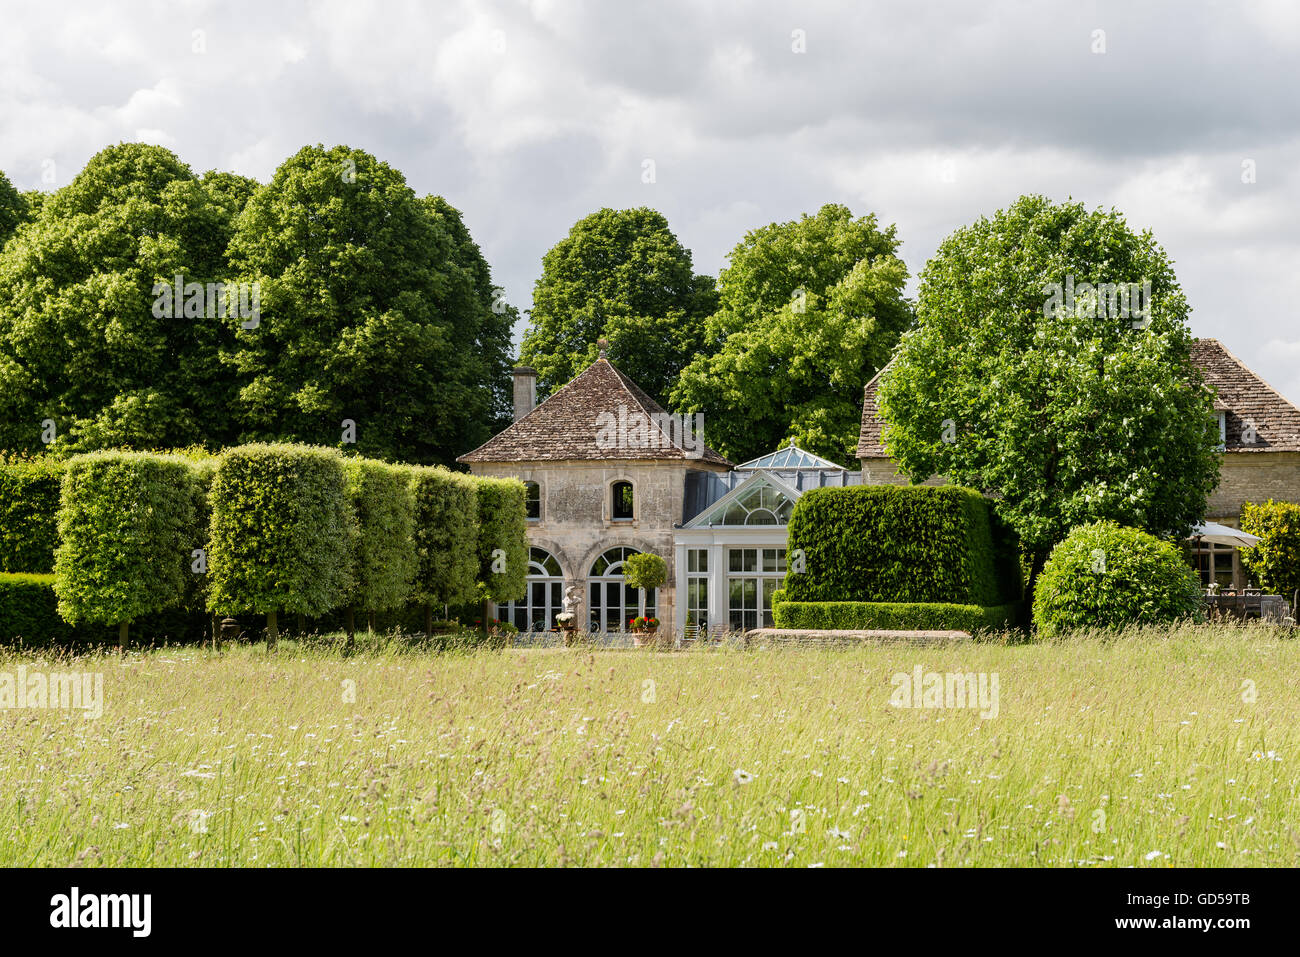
x=1173, y=747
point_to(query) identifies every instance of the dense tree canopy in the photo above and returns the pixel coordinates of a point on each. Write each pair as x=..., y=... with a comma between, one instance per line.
x=621, y=275
x=1026, y=378
x=810, y=310
x=484, y=321
x=367, y=314
x=80, y=345
x=13, y=208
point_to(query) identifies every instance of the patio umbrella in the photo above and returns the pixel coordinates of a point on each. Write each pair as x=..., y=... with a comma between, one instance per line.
x=1223, y=535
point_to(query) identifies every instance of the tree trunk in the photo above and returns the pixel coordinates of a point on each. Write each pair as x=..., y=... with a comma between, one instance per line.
x=272, y=629
x=123, y=631
x=1035, y=569
x=486, y=612
x=351, y=619
x=216, y=632
x=370, y=622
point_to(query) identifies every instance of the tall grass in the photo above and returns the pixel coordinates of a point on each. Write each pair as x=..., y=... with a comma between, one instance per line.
x=1153, y=748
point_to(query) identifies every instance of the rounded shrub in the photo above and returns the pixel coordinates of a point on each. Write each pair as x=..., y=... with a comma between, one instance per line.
x=1104, y=575
x=126, y=521
x=282, y=532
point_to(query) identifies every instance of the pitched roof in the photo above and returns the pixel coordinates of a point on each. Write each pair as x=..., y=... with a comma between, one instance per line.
x=1249, y=401
x=1244, y=396
x=584, y=420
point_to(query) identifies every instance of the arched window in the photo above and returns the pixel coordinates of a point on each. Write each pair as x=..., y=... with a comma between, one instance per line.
x=623, y=501
x=613, y=603
x=545, y=598
x=532, y=501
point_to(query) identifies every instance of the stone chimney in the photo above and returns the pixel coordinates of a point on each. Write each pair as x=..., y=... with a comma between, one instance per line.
x=525, y=390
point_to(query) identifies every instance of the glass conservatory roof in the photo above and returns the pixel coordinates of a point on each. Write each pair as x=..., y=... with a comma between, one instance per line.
x=762, y=500
x=790, y=457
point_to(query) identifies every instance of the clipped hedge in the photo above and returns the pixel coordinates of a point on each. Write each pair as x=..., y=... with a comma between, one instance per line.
x=446, y=536
x=29, y=616
x=29, y=610
x=893, y=616
x=125, y=521
x=1104, y=575
x=901, y=544
x=281, y=532
x=1275, y=561
x=29, y=507
x=503, y=525
x=384, y=553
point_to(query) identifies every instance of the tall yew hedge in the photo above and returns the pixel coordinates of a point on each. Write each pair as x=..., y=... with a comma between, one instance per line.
x=125, y=523
x=887, y=543
x=281, y=532
x=502, y=538
x=446, y=538
x=29, y=506
x=384, y=556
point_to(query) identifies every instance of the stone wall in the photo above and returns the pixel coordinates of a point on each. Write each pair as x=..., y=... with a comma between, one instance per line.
x=1254, y=477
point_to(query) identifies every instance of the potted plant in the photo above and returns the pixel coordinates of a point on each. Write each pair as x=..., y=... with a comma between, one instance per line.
x=568, y=624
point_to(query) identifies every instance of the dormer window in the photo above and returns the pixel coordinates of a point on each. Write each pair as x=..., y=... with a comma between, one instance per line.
x=532, y=501
x=622, y=510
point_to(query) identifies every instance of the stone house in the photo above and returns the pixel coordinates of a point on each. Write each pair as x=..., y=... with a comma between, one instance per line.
x=1259, y=428
x=606, y=469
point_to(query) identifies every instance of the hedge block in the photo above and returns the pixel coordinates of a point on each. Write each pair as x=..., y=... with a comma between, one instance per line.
x=909, y=544
x=29, y=507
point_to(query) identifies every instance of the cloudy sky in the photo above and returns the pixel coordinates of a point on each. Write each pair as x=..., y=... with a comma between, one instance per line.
x=529, y=115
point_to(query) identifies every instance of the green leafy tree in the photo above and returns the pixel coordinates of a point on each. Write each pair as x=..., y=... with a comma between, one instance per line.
x=622, y=275
x=810, y=310
x=81, y=342
x=1022, y=381
x=1275, y=561
x=484, y=321
x=362, y=317
x=13, y=208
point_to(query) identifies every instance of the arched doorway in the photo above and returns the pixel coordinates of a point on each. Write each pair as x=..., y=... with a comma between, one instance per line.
x=545, y=598
x=612, y=603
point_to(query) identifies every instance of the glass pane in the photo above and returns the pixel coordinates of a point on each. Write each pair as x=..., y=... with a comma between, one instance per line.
x=613, y=606
x=735, y=560
x=622, y=499
x=751, y=593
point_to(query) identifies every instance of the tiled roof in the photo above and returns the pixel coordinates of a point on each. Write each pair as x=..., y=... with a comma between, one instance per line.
x=568, y=426
x=1245, y=397
x=870, y=445
x=1249, y=401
